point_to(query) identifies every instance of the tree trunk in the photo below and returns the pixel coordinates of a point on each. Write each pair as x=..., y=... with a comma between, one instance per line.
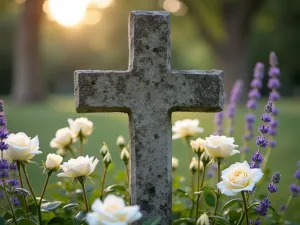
x=28, y=82
x=234, y=63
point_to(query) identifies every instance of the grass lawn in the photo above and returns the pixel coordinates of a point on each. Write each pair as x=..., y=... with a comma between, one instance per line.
x=44, y=119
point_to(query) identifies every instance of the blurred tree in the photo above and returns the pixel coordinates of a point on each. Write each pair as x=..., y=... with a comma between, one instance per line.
x=28, y=82
x=225, y=25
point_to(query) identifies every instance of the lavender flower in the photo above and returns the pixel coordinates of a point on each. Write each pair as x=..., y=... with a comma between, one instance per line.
x=276, y=177
x=272, y=188
x=262, y=141
x=274, y=96
x=3, y=130
x=295, y=189
x=262, y=208
x=231, y=108
x=219, y=123
x=253, y=96
x=297, y=174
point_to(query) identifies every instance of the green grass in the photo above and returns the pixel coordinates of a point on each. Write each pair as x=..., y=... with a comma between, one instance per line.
x=44, y=119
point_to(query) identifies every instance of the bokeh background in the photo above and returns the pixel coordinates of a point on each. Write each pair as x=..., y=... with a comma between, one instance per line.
x=42, y=42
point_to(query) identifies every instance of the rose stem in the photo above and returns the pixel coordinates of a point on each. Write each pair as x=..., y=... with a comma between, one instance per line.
x=245, y=207
x=45, y=187
x=84, y=195
x=22, y=186
x=218, y=191
x=103, y=182
x=199, y=195
x=32, y=193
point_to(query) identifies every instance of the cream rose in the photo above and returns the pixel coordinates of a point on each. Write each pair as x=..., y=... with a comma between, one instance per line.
x=186, y=128
x=113, y=211
x=239, y=177
x=198, y=145
x=63, y=138
x=194, y=165
x=82, y=166
x=53, y=161
x=175, y=163
x=220, y=146
x=203, y=220
x=21, y=147
x=81, y=125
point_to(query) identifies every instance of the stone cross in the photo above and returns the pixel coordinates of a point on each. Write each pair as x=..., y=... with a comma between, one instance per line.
x=149, y=91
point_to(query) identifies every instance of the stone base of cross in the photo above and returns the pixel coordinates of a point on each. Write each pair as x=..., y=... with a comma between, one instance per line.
x=149, y=91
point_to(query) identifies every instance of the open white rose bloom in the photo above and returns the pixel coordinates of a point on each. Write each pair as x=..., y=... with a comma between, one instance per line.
x=239, y=177
x=63, y=138
x=186, y=128
x=82, y=125
x=21, y=147
x=82, y=166
x=113, y=212
x=220, y=146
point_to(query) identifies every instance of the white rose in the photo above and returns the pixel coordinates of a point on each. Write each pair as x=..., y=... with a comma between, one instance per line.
x=121, y=142
x=81, y=125
x=239, y=177
x=203, y=220
x=63, y=138
x=220, y=146
x=113, y=211
x=21, y=147
x=194, y=165
x=53, y=161
x=175, y=163
x=124, y=154
x=107, y=159
x=198, y=145
x=186, y=128
x=82, y=166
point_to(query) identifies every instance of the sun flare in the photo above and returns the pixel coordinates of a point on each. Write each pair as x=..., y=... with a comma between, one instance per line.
x=70, y=13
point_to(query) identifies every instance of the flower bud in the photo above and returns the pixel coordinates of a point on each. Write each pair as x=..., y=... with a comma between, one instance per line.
x=107, y=159
x=175, y=163
x=121, y=143
x=205, y=158
x=104, y=150
x=203, y=220
x=125, y=155
x=53, y=162
x=194, y=165
x=198, y=145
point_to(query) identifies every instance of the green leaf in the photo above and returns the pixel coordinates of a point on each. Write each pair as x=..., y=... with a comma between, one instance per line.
x=71, y=205
x=233, y=216
x=220, y=218
x=115, y=187
x=1, y=220
x=231, y=203
x=153, y=221
x=22, y=190
x=56, y=221
x=47, y=216
x=253, y=204
x=50, y=206
x=183, y=221
x=80, y=217
x=26, y=222
x=209, y=199
x=181, y=193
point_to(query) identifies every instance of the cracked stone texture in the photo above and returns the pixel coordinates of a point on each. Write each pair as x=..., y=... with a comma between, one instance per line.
x=149, y=91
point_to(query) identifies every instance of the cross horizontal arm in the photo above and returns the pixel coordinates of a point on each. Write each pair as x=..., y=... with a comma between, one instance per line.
x=101, y=91
x=196, y=90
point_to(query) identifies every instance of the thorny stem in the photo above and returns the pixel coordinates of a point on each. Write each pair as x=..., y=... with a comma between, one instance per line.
x=22, y=186
x=45, y=187
x=32, y=193
x=103, y=182
x=81, y=181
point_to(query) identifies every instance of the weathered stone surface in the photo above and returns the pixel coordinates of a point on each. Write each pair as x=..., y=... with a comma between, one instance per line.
x=149, y=91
